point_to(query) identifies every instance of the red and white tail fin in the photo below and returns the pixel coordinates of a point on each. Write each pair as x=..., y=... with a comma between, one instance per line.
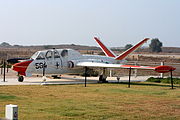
x=130, y=50
x=107, y=51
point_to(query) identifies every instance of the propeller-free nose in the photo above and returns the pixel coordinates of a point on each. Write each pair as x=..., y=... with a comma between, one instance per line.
x=21, y=67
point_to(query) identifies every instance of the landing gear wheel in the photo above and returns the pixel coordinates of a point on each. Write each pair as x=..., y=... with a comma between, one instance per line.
x=102, y=79
x=20, y=78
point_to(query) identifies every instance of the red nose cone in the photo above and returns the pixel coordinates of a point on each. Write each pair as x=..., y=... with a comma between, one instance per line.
x=21, y=67
x=164, y=69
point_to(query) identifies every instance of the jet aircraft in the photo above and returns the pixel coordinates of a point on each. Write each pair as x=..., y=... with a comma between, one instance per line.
x=69, y=61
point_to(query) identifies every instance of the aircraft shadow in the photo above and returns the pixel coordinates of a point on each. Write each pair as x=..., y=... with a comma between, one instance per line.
x=146, y=84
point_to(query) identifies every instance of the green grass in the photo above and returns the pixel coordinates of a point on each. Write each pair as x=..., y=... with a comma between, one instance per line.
x=164, y=80
x=5, y=97
x=95, y=102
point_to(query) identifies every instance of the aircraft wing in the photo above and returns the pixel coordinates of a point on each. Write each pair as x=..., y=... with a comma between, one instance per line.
x=160, y=69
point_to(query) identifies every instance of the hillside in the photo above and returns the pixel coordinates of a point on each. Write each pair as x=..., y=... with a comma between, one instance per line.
x=12, y=51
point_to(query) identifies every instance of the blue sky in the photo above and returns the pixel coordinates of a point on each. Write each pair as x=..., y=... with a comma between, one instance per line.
x=115, y=22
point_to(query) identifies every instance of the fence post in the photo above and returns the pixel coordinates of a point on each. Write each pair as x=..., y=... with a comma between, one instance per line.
x=4, y=74
x=1, y=67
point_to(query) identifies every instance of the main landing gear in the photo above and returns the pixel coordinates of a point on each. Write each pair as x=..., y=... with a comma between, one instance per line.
x=20, y=78
x=103, y=76
x=102, y=79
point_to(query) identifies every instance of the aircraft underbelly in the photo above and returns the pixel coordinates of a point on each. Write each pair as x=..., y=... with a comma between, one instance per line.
x=58, y=71
x=65, y=71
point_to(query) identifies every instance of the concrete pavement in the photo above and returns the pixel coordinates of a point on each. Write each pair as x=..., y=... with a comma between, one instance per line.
x=65, y=79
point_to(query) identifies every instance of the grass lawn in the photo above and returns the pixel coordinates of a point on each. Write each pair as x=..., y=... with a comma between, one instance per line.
x=145, y=101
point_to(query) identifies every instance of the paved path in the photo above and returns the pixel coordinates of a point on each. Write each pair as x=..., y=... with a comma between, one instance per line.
x=65, y=79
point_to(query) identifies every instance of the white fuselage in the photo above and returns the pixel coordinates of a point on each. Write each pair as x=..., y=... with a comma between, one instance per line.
x=62, y=61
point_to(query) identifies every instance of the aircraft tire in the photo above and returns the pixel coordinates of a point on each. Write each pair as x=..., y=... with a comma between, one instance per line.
x=20, y=78
x=102, y=79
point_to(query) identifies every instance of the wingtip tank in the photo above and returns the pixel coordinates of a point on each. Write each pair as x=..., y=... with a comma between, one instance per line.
x=164, y=69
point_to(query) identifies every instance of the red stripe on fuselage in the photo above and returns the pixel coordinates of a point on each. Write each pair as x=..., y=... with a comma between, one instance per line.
x=22, y=67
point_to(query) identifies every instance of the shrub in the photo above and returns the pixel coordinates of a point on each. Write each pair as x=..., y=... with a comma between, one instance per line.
x=163, y=80
x=91, y=72
x=152, y=79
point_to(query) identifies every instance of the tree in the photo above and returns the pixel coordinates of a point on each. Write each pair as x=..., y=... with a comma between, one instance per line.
x=47, y=47
x=128, y=46
x=155, y=45
x=5, y=44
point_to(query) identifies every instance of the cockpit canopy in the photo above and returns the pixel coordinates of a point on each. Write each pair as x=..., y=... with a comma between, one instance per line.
x=53, y=54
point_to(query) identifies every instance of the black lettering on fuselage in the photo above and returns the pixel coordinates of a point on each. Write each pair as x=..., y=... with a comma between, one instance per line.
x=40, y=65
